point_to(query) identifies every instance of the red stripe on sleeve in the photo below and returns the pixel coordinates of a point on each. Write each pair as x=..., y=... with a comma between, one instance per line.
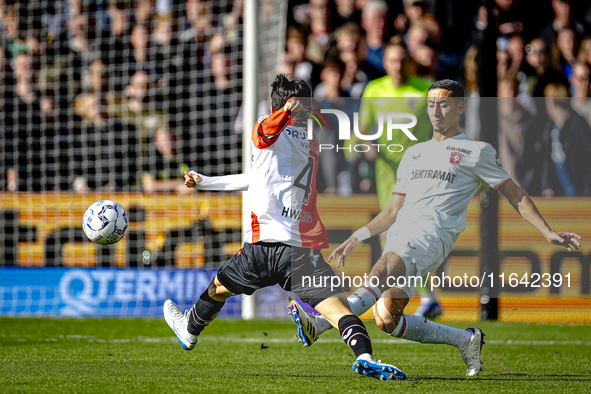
x=400, y=194
x=501, y=184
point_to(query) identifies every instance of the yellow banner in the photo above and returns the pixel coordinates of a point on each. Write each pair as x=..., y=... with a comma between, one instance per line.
x=176, y=229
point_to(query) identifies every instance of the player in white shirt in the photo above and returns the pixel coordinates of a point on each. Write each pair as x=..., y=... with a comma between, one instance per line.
x=436, y=181
x=284, y=239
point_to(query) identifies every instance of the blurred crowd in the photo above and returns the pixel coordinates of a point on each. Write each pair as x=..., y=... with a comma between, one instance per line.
x=127, y=94
x=118, y=94
x=374, y=48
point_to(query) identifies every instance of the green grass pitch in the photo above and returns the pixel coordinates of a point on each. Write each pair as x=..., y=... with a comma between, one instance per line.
x=141, y=355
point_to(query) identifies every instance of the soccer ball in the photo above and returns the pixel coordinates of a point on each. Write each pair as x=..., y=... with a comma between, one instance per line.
x=105, y=222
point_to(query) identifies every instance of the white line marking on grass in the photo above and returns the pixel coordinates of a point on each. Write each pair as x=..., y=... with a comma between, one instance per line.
x=206, y=338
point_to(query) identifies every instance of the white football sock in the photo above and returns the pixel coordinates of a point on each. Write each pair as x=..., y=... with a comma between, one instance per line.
x=418, y=329
x=360, y=302
x=366, y=357
x=363, y=299
x=323, y=324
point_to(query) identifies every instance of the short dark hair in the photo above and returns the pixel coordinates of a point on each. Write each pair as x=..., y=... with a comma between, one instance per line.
x=456, y=88
x=283, y=89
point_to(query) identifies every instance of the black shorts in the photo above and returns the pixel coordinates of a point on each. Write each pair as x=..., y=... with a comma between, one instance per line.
x=262, y=264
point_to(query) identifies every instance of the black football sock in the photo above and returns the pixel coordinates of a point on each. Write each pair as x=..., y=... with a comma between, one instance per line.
x=203, y=312
x=354, y=334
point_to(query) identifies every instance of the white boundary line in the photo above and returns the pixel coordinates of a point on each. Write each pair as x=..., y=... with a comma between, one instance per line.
x=207, y=339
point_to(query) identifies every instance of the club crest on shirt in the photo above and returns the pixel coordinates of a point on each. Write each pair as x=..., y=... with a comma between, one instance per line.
x=456, y=158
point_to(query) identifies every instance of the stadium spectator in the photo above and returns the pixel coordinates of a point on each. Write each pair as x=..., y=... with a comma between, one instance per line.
x=114, y=39
x=334, y=176
x=505, y=17
x=103, y=151
x=12, y=37
x=137, y=91
x=319, y=31
x=541, y=71
x=426, y=57
x=169, y=64
x=416, y=36
x=455, y=19
x=503, y=61
x=296, y=54
x=143, y=12
x=580, y=79
x=581, y=101
x=22, y=129
x=162, y=172
x=416, y=14
x=198, y=22
x=563, y=18
x=98, y=78
x=514, y=121
x=354, y=79
x=566, y=137
x=372, y=45
x=516, y=52
x=114, y=44
x=347, y=12
x=565, y=50
x=347, y=37
x=140, y=54
x=584, y=55
x=134, y=107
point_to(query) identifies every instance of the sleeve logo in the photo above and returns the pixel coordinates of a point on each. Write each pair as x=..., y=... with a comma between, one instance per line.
x=498, y=161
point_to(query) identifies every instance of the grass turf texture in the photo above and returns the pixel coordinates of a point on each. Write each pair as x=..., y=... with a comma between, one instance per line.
x=142, y=355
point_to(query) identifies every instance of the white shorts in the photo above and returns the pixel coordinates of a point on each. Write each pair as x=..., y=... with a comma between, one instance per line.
x=423, y=246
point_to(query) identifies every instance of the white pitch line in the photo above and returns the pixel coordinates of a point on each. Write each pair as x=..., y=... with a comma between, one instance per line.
x=218, y=339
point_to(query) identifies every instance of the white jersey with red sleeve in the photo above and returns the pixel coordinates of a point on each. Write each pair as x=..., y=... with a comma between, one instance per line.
x=439, y=178
x=282, y=183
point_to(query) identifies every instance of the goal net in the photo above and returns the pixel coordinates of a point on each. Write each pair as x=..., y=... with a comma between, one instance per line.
x=116, y=99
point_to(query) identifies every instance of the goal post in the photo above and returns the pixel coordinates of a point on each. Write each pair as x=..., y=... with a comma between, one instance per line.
x=264, y=41
x=249, y=107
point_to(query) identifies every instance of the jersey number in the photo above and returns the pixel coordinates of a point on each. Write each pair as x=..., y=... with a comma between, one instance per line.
x=306, y=175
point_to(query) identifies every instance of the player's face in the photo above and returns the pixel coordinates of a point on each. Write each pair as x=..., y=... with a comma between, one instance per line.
x=443, y=110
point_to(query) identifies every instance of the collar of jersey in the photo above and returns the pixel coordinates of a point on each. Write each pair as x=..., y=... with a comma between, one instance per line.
x=460, y=136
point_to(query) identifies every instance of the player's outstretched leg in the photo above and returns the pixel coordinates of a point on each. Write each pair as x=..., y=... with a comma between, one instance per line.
x=187, y=326
x=389, y=318
x=178, y=322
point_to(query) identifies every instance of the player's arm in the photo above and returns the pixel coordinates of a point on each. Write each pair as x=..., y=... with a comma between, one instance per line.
x=528, y=211
x=379, y=224
x=269, y=127
x=237, y=182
